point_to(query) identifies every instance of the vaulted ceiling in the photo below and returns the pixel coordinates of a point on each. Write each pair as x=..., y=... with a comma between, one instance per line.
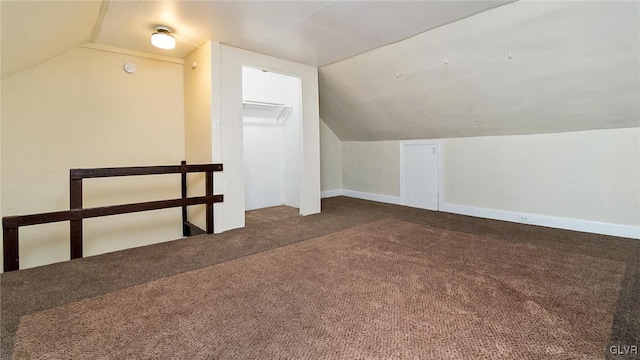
x=36, y=31
x=524, y=68
x=310, y=32
x=388, y=69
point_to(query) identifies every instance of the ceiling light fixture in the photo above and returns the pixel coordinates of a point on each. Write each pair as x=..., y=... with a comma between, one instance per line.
x=163, y=39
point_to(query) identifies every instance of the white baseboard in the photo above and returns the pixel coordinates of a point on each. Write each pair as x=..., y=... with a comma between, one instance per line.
x=596, y=227
x=389, y=199
x=330, y=193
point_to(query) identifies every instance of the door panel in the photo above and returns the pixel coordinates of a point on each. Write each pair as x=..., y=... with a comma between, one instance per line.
x=420, y=175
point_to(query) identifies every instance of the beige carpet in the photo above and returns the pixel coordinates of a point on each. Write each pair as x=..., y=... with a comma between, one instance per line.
x=389, y=289
x=267, y=215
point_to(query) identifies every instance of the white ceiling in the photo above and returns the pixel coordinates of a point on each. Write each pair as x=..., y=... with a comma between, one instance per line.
x=574, y=65
x=310, y=32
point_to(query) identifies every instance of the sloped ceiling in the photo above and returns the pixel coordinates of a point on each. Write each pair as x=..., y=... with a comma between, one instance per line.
x=527, y=67
x=573, y=65
x=36, y=31
x=311, y=32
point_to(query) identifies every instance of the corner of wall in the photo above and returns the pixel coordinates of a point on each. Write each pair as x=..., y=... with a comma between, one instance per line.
x=330, y=159
x=371, y=167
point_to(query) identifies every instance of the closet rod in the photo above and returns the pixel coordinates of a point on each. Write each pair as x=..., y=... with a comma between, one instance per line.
x=261, y=103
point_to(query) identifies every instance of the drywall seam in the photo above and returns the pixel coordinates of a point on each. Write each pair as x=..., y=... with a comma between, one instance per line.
x=98, y=24
x=116, y=50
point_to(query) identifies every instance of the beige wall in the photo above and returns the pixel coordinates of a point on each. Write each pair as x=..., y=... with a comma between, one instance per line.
x=197, y=105
x=330, y=159
x=371, y=166
x=588, y=175
x=81, y=110
x=198, y=130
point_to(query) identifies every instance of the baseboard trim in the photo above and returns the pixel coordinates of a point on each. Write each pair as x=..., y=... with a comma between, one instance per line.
x=330, y=193
x=389, y=199
x=596, y=227
x=589, y=226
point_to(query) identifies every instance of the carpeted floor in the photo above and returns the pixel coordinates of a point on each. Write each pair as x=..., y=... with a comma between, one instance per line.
x=370, y=281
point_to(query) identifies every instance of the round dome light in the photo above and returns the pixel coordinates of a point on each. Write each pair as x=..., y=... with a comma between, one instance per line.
x=163, y=39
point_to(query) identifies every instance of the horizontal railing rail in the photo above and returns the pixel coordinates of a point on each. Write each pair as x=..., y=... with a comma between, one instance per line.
x=76, y=213
x=142, y=170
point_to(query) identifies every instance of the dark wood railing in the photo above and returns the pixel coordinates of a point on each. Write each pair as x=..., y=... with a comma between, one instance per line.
x=76, y=213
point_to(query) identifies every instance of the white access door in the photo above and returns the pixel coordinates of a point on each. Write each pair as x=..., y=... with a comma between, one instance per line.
x=420, y=175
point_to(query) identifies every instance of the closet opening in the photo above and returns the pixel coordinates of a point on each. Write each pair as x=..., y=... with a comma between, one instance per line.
x=272, y=138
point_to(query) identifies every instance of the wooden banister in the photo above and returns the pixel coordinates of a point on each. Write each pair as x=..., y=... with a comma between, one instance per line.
x=76, y=213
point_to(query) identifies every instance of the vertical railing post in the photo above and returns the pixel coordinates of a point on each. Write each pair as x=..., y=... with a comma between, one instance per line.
x=186, y=230
x=10, y=247
x=75, y=227
x=209, y=207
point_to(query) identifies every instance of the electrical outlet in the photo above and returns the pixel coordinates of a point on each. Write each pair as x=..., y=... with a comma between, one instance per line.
x=524, y=219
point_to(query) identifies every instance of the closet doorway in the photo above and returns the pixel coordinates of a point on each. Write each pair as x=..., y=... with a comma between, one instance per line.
x=272, y=141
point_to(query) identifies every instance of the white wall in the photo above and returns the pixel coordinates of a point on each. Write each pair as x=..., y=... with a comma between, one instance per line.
x=271, y=149
x=228, y=69
x=330, y=159
x=587, y=180
x=81, y=110
x=263, y=166
x=292, y=140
